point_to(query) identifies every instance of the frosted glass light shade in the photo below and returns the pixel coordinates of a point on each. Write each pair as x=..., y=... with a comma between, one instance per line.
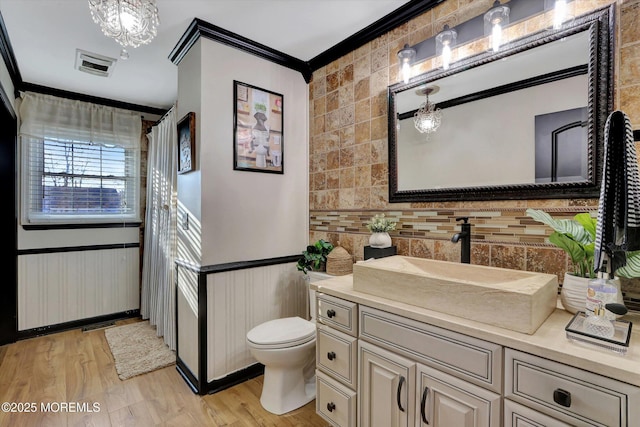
x=495, y=20
x=445, y=43
x=406, y=55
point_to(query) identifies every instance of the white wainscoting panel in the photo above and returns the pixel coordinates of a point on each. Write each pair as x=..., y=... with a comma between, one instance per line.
x=187, y=333
x=239, y=300
x=66, y=286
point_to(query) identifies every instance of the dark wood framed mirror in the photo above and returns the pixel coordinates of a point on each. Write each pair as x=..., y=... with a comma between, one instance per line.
x=524, y=123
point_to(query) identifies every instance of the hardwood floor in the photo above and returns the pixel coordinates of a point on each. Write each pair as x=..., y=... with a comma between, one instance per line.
x=77, y=367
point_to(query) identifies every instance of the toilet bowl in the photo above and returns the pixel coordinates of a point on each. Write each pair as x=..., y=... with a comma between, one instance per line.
x=287, y=348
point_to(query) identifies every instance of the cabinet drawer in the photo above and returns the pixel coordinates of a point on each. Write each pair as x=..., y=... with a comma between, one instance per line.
x=336, y=355
x=473, y=360
x=334, y=402
x=573, y=395
x=516, y=415
x=338, y=313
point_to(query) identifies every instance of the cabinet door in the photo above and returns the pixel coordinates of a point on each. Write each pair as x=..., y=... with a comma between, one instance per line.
x=386, y=388
x=445, y=401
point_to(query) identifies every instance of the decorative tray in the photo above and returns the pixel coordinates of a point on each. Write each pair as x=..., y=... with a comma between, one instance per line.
x=619, y=343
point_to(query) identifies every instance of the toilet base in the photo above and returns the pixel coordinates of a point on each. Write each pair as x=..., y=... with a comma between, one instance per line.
x=285, y=390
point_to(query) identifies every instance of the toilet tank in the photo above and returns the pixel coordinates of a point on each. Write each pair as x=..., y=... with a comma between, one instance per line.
x=314, y=276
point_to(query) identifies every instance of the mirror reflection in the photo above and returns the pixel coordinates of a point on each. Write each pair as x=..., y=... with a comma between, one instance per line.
x=509, y=128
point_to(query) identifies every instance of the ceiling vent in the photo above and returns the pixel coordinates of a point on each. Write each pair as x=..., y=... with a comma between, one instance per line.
x=93, y=63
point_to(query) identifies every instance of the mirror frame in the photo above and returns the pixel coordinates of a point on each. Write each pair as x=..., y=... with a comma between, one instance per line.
x=601, y=26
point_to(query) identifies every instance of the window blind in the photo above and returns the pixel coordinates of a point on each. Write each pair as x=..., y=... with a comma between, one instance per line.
x=78, y=165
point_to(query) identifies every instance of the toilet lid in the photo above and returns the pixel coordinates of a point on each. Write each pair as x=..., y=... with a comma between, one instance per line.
x=280, y=333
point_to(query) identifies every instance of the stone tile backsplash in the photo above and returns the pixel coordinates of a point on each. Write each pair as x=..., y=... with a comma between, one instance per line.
x=348, y=163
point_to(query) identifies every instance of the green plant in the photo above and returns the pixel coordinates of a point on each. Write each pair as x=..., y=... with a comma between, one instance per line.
x=260, y=107
x=380, y=224
x=315, y=256
x=577, y=238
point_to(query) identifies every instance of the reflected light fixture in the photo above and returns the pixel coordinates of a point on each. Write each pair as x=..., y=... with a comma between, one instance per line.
x=495, y=20
x=406, y=56
x=130, y=22
x=445, y=42
x=559, y=13
x=428, y=117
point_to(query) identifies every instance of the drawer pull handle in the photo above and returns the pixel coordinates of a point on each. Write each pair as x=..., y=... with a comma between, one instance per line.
x=423, y=406
x=402, y=380
x=562, y=397
x=331, y=355
x=331, y=313
x=331, y=406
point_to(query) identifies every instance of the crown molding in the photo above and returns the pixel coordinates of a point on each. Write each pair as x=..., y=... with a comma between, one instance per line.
x=200, y=28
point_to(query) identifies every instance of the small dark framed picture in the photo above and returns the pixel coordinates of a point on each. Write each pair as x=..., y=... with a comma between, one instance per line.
x=187, y=143
x=258, y=134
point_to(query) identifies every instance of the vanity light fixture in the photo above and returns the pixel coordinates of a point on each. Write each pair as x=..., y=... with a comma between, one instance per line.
x=406, y=55
x=428, y=117
x=559, y=13
x=445, y=42
x=129, y=22
x=495, y=20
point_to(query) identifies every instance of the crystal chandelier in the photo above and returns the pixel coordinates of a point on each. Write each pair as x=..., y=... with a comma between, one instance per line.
x=129, y=22
x=428, y=117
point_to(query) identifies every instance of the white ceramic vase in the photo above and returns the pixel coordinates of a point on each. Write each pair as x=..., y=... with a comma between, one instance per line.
x=574, y=293
x=380, y=239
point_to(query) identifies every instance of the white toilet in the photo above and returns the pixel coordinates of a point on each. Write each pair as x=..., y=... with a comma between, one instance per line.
x=287, y=349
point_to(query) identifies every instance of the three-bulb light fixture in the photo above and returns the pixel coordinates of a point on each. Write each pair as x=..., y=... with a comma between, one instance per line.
x=130, y=22
x=496, y=19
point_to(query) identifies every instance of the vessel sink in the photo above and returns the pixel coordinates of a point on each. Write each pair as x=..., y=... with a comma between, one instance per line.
x=511, y=299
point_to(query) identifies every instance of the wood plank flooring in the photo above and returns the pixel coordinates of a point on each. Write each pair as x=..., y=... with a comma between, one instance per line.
x=77, y=367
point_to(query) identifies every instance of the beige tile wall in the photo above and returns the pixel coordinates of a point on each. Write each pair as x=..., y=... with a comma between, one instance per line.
x=348, y=163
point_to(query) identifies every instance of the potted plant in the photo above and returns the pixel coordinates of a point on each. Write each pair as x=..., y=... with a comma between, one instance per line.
x=379, y=226
x=315, y=257
x=577, y=238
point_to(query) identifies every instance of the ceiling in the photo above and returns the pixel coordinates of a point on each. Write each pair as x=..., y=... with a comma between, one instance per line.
x=45, y=34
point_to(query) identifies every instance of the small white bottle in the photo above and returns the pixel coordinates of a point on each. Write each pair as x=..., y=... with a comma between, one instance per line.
x=600, y=292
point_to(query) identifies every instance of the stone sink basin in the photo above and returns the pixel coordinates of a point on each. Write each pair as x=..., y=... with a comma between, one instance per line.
x=511, y=299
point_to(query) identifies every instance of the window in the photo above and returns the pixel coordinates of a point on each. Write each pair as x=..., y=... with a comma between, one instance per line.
x=74, y=176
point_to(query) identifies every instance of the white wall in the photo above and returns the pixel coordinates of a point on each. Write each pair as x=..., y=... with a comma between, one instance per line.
x=190, y=184
x=237, y=215
x=250, y=215
x=7, y=84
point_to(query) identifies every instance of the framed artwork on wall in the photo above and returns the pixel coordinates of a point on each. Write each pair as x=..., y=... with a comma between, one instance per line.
x=258, y=131
x=187, y=143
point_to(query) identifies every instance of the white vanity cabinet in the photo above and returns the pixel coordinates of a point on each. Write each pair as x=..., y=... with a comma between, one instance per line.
x=568, y=394
x=389, y=366
x=336, y=360
x=413, y=374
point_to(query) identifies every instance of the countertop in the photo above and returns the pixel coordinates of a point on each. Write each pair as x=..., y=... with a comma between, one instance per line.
x=549, y=341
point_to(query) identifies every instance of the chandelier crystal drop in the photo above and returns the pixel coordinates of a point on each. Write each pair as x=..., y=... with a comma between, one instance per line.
x=428, y=117
x=130, y=22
